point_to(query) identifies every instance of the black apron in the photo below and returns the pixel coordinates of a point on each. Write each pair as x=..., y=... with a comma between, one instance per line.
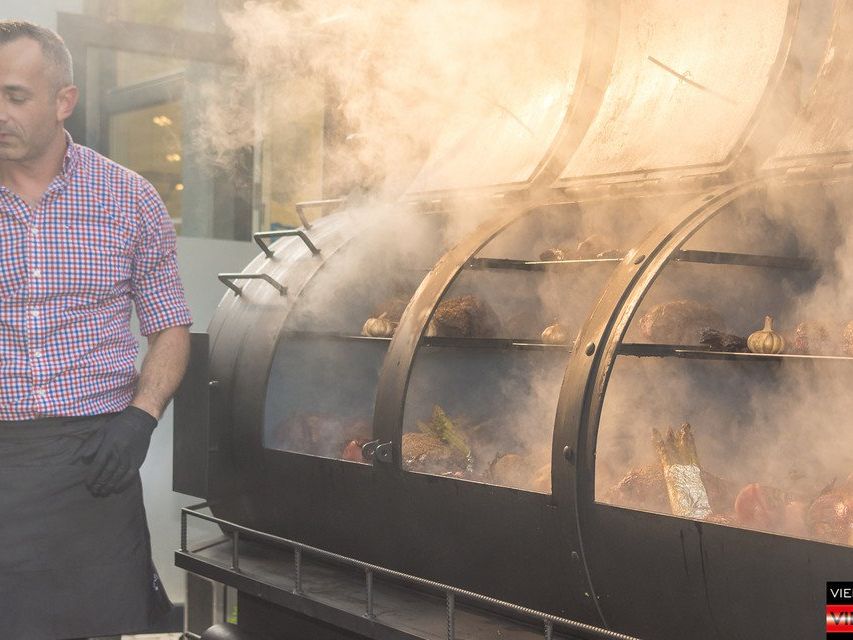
x=71, y=565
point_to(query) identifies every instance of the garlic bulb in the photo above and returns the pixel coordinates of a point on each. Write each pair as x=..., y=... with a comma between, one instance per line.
x=766, y=340
x=555, y=334
x=380, y=327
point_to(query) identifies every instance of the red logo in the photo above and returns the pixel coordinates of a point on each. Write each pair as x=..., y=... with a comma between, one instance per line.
x=839, y=618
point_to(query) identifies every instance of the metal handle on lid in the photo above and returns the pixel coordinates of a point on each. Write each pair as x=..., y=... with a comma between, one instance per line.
x=228, y=280
x=301, y=206
x=260, y=236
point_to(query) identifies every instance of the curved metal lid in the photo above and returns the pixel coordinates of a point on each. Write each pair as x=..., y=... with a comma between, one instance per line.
x=542, y=97
x=823, y=130
x=688, y=82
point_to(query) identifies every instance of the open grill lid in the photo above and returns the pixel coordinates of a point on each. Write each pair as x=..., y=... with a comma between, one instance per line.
x=653, y=91
x=823, y=131
x=690, y=89
x=535, y=114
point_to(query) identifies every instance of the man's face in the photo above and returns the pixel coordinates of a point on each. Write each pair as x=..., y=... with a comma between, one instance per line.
x=32, y=107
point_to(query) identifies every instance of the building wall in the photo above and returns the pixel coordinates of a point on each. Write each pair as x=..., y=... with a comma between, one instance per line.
x=43, y=13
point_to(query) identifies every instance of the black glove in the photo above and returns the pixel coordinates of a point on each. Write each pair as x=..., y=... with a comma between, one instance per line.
x=117, y=450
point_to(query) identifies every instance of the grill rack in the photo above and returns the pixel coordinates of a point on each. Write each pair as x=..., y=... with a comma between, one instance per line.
x=239, y=534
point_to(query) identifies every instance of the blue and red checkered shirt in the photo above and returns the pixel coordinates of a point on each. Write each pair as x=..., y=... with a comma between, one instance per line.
x=99, y=239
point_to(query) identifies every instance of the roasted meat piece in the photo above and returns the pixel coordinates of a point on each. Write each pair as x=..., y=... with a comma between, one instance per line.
x=641, y=488
x=719, y=341
x=830, y=516
x=811, y=338
x=426, y=453
x=463, y=317
x=679, y=322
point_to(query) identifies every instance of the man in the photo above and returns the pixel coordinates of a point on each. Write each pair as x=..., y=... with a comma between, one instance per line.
x=81, y=238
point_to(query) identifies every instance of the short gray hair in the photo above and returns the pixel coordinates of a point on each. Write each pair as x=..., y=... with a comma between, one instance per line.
x=52, y=45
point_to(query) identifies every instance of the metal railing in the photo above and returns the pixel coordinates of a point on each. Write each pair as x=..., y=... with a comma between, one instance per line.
x=549, y=622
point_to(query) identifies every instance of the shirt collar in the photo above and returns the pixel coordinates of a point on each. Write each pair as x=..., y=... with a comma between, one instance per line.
x=71, y=160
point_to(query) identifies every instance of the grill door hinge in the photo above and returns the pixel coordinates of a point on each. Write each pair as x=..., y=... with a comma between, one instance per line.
x=384, y=452
x=381, y=452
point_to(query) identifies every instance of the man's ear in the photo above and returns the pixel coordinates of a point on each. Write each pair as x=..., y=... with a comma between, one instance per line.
x=66, y=100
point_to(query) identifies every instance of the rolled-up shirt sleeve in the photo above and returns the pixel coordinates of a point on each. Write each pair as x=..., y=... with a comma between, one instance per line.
x=156, y=288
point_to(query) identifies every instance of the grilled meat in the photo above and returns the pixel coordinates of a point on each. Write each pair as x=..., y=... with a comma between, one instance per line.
x=679, y=322
x=463, y=317
x=425, y=453
x=719, y=341
x=830, y=516
x=811, y=338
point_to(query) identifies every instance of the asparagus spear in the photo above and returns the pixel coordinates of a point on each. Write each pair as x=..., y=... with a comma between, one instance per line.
x=442, y=427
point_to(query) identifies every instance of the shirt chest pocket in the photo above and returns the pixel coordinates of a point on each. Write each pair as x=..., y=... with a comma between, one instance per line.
x=92, y=258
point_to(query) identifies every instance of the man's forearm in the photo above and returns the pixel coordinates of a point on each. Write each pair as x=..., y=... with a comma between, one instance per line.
x=162, y=369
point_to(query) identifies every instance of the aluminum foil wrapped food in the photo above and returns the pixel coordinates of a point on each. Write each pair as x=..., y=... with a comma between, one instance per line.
x=677, y=453
x=645, y=488
x=679, y=322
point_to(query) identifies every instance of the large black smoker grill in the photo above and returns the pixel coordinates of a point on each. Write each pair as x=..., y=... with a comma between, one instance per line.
x=392, y=553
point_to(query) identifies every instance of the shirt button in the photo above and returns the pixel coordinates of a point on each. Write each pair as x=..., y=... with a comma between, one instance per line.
x=40, y=393
x=34, y=231
x=36, y=273
x=34, y=313
x=37, y=353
